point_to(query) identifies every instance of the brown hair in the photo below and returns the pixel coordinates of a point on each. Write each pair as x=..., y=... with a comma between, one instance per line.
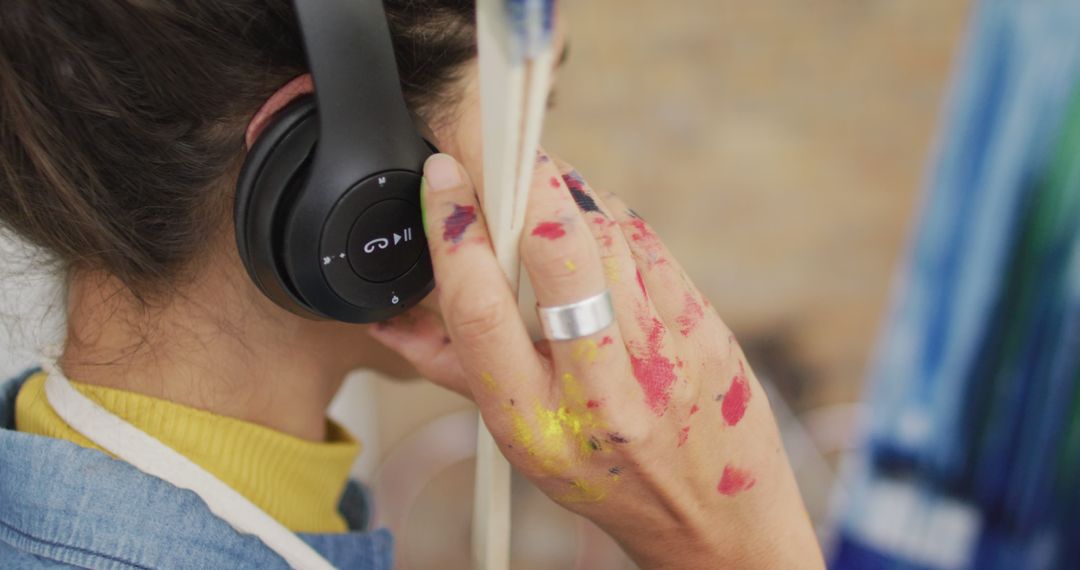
x=121, y=119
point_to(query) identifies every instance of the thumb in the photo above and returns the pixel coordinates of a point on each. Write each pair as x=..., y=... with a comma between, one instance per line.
x=420, y=338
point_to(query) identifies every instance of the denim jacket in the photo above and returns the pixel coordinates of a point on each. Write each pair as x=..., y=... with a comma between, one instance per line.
x=62, y=505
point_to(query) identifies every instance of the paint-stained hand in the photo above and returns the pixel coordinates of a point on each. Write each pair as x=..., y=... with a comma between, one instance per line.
x=654, y=428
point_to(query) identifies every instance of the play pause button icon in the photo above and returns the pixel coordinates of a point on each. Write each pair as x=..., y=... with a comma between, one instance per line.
x=405, y=235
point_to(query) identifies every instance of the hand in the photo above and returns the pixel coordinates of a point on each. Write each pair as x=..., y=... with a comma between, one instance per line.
x=655, y=428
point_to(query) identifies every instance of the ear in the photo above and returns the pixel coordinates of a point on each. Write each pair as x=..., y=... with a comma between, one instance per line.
x=298, y=86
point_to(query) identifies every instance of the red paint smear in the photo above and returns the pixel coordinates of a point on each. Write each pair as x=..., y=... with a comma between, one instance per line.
x=455, y=225
x=641, y=283
x=735, y=481
x=654, y=371
x=648, y=241
x=549, y=230
x=684, y=434
x=643, y=231
x=592, y=404
x=606, y=240
x=476, y=240
x=691, y=315
x=679, y=362
x=606, y=341
x=694, y=410
x=554, y=183
x=737, y=398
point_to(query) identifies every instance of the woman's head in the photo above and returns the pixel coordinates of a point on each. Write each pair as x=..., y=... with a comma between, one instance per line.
x=123, y=126
x=122, y=122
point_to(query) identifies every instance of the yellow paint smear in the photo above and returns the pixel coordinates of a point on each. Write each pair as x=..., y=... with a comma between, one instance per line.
x=488, y=379
x=582, y=491
x=562, y=437
x=523, y=433
x=611, y=269
x=573, y=393
x=585, y=351
x=561, y=428
x=570, y=265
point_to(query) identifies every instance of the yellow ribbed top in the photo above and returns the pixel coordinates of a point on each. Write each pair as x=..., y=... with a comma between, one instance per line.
x=296, y=481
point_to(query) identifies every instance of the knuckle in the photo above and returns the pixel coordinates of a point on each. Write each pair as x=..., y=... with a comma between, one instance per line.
x=550, y=258
x=684, y=398
x=715, y=355
x=474, y=315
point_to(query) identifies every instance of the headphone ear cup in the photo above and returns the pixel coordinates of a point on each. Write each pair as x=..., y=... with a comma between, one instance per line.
x=274, y=169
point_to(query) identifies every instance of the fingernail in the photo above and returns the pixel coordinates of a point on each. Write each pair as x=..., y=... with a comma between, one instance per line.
x=441, y=172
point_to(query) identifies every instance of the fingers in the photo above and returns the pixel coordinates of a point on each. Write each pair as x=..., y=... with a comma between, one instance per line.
x=556, y=247
x=420, y=338
x=603, y=363
x=479, y=310
x=620, y=268
x=650, y=329
x=676, y=299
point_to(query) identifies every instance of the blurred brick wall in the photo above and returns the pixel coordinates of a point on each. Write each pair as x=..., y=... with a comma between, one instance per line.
x=777, y=146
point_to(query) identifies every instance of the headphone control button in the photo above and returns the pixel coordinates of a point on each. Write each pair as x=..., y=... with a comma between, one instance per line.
x=386, y=240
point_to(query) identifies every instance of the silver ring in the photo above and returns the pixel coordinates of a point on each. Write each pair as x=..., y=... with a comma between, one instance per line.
x=583, y=318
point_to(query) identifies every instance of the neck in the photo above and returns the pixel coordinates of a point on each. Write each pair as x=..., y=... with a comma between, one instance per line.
x=218, y=345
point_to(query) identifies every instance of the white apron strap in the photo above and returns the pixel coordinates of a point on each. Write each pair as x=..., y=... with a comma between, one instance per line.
x=152, y=457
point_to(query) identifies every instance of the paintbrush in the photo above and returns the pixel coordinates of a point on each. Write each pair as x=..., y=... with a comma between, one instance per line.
x=515, y=41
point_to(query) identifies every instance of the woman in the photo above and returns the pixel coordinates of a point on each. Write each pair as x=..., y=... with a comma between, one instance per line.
x=123, y=127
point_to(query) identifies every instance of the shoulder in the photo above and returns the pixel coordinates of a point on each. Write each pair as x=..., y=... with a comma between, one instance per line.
x=63, y=504
x=68, y=506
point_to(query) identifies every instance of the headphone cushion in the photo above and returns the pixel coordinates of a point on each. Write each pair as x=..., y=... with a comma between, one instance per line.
x=274, y=169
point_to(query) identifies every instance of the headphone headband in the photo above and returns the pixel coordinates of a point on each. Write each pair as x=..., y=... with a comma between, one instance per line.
x=357, y=86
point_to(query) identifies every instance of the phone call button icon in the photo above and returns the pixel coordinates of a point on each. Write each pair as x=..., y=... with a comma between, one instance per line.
x=386, y=241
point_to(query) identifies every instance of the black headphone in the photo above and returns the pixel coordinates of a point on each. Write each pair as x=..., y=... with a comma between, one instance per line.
x=327, y=211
